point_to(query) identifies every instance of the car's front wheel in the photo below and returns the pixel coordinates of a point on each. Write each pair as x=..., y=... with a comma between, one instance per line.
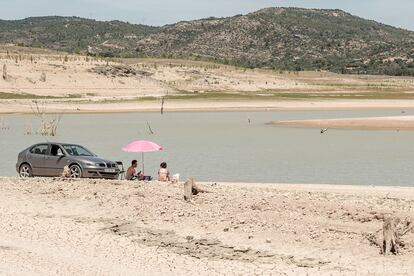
x=75, y=171
x=25, y=171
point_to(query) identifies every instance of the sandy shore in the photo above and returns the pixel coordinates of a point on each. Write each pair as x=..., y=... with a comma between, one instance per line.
x=95, y=227
x=374, y=123
x=54, y=106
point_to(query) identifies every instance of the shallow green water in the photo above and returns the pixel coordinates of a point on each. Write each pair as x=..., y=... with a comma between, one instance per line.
x=223, y=146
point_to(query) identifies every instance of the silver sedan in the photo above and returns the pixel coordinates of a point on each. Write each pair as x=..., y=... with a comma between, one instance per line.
x=49, y=159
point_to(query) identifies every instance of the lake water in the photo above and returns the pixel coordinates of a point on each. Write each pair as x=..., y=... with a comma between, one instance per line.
x=223, y=146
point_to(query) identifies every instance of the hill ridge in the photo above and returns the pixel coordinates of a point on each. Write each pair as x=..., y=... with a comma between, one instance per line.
x=280, y=38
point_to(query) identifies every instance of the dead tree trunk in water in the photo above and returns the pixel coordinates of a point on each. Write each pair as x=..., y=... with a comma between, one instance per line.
x=162, y=106
x=150, y=131
x=48, y=127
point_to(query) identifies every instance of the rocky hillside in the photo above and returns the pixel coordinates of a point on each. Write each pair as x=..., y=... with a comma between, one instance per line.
x=74, y=34
x=279, y=38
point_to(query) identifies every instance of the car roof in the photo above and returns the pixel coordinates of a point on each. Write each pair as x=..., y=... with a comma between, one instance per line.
x=57, y=143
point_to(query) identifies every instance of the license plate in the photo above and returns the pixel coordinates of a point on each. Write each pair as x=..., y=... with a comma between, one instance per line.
x=110, y=170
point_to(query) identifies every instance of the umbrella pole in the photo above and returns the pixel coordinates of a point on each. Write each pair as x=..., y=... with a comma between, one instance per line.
x=142, y=160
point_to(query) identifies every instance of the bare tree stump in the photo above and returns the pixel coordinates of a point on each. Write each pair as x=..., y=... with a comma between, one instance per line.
x=4, y=72
x=66, y=172
x=43, y=77
x=191, y=188
x=390, y=235
x=197, y=189
x=188, y=189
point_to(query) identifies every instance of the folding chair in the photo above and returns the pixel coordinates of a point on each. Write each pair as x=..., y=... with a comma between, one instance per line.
x=122, y=172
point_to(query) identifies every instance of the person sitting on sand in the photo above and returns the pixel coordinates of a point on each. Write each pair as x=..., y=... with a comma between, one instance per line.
x=163, y=173
x=132, y=173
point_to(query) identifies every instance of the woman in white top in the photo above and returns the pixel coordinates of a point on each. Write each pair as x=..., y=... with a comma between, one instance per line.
x=163, y=173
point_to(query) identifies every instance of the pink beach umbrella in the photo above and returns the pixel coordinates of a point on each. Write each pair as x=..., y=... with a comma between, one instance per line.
x=142, y=146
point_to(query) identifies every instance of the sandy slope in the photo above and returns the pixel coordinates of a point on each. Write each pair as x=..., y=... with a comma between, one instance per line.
x=390, y=123
x=68, y=75
x=73, y=79
x=90, y=227
x=71, y=75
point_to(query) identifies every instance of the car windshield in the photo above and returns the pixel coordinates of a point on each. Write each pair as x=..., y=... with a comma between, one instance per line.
x=76, y=150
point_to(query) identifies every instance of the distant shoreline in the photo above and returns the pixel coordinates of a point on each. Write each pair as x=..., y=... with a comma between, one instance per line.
x=52, y=106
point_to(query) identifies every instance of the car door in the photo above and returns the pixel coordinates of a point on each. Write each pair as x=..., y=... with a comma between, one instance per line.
x=55, y=160
x=36, y=159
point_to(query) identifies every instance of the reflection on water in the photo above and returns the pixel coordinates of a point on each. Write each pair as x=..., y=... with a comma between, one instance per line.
x=223, y=146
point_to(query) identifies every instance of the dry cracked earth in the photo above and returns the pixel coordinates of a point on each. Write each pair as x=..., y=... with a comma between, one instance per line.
x=96, y=227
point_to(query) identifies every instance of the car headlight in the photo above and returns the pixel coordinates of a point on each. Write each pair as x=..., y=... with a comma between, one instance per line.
x=88, y=164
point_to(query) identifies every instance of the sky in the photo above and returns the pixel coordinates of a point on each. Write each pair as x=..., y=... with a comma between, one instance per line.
x=159, y=12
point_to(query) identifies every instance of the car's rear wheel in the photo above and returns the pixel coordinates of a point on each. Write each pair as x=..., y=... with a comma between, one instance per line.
x=25, y=171
x=75, y=171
